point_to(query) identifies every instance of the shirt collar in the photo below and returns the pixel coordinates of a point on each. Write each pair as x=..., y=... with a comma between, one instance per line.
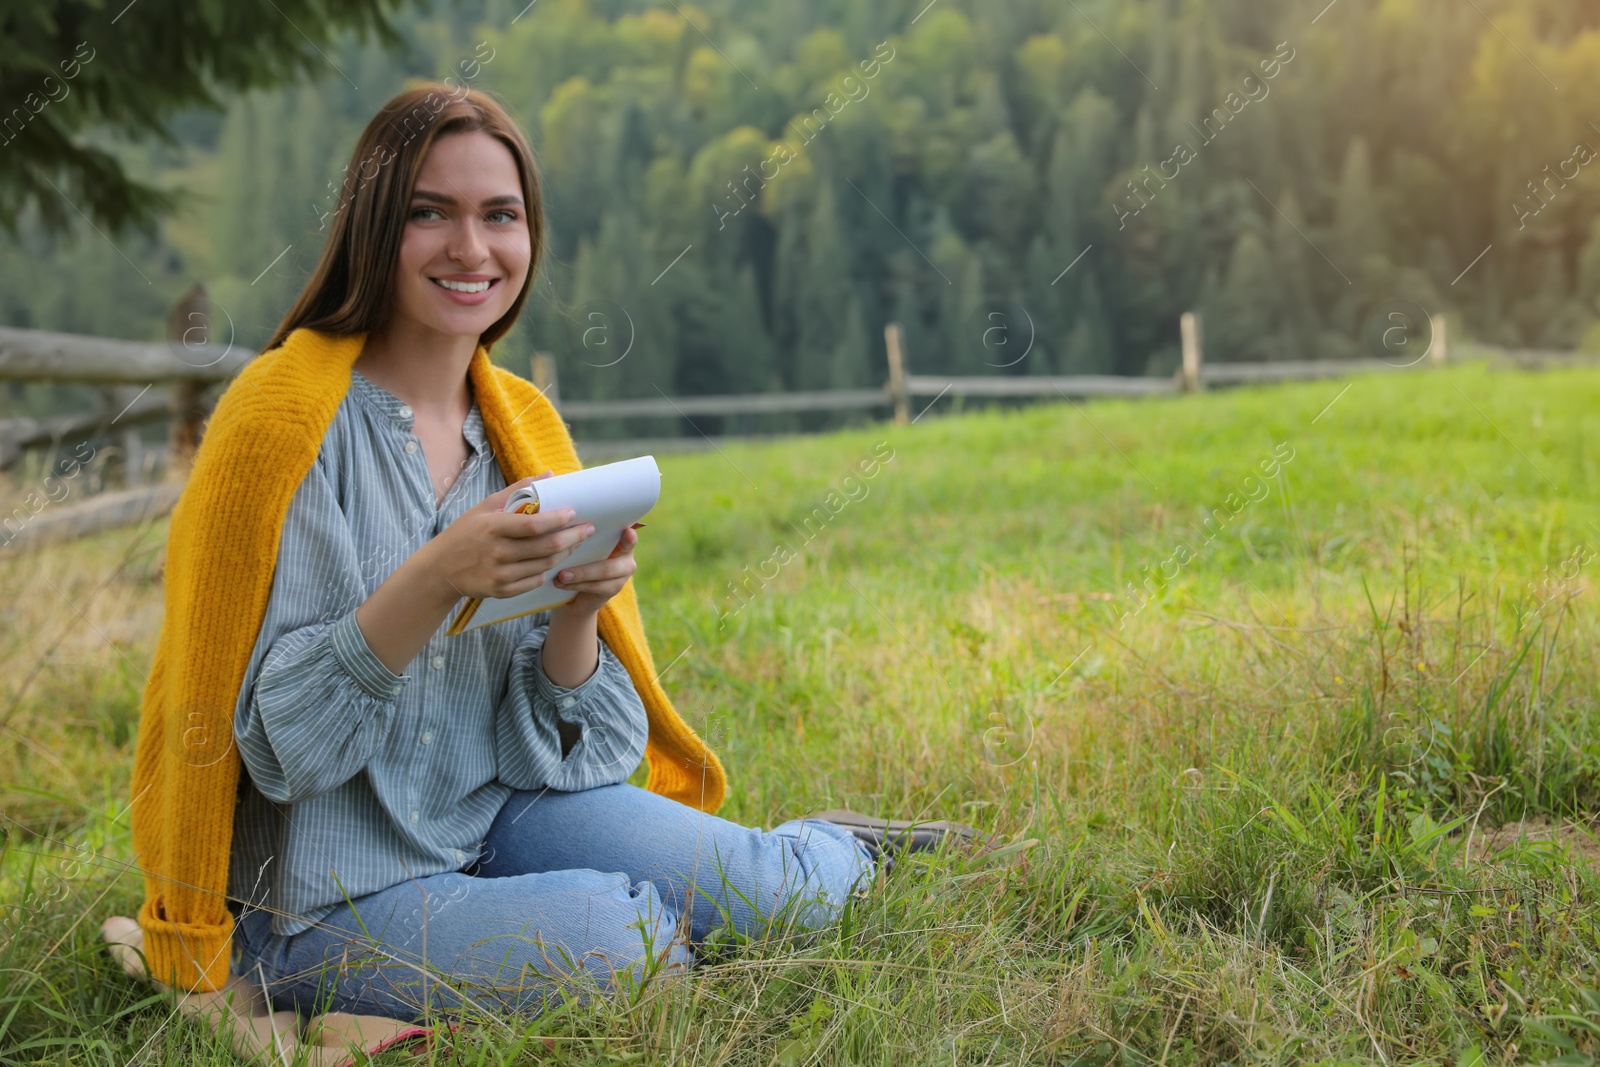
x=400, y=414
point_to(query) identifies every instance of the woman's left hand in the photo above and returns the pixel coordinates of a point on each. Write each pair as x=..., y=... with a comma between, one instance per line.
x=598, y=582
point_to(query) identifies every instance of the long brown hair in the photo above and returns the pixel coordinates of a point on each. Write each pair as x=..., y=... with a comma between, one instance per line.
x=352, y=289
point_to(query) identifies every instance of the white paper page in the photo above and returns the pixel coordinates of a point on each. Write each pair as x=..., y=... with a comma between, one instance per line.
x=612, y=497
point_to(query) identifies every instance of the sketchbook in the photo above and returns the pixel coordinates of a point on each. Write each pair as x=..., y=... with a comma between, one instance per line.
x=612, y=497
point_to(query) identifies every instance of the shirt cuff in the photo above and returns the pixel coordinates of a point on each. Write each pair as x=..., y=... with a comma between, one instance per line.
x=562, y=697
x=362, y=664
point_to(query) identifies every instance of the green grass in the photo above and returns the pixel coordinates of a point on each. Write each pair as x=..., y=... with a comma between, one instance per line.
x=1280, y=794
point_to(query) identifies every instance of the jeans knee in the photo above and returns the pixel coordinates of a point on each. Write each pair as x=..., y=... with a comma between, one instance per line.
x=596, y=934
x=634, y=932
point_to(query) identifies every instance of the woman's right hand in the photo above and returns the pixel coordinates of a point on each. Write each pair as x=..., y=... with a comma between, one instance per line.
x=489, y=553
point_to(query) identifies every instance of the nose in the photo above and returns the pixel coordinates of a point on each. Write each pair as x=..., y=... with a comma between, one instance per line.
x=467, y=245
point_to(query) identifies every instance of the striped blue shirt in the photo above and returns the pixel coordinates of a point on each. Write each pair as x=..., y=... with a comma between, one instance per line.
x=358, y=778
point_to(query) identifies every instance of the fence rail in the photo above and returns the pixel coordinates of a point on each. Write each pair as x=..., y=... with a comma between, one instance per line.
x=66, y=357
x=745, y=404
x=18, y=435
x=195, y=373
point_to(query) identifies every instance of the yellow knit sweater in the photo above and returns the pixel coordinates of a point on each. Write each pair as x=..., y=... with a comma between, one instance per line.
x=221, y=552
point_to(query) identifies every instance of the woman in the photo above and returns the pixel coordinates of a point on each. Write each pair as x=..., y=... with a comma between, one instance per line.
x=423, y=821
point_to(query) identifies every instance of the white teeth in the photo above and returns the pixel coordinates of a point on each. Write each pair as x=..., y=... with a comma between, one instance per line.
x=461, y=287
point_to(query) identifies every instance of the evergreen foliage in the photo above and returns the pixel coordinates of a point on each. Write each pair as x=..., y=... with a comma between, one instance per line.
x=746, y=194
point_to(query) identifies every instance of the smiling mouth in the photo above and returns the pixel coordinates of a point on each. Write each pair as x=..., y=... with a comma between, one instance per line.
x=462, y=287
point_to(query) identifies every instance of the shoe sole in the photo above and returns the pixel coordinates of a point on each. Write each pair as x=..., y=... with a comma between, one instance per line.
x=893, y=835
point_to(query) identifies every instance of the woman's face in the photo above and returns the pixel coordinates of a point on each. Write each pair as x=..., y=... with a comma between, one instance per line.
x=466, y=246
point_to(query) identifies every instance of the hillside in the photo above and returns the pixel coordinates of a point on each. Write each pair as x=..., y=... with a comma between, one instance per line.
x=752, y=192
x=1261, y=782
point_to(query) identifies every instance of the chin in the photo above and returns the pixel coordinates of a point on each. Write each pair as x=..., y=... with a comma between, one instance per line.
x=468, y=328
x=464, y=325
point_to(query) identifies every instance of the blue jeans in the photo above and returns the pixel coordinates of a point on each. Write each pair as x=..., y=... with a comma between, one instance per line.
x=571, y=891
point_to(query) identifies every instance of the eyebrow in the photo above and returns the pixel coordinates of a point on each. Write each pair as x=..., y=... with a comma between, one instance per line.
x=441, y=198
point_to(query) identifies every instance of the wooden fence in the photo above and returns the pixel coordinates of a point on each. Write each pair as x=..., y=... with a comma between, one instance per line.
x=192, y=373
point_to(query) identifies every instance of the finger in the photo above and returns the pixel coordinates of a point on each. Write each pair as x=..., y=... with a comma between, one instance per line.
x=528, y=526
x=604, y=589
x=586, y=582
x=497, y=501
x=543, y=568
x=552, y=548
x=601, y=571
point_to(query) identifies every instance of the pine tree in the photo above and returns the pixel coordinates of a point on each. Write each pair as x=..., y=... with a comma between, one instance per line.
x=971, y=348
x=129, y=75
x=1090, y=347
x=1042, y=299
x=1587, y=293
x=1294, y=306
x=1002, y=191
x=1357, y=229
x=851, y=364
x=824, y=292
x=1243, y=330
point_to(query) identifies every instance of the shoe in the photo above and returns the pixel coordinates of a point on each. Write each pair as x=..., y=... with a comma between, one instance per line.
x=896, y=835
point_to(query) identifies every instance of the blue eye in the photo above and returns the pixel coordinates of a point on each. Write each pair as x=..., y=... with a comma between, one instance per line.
x=418, y=212
x=506, y=215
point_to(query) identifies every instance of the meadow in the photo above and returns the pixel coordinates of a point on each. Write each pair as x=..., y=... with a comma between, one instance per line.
x=1283, y=703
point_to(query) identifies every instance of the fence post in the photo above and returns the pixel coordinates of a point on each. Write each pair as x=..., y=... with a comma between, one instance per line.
x=1439, y=351
x=1189, y=326
x=129, y=463
x=132, y=445
x=892, y=337
x=114, y=470
x=189, y=321
x=544, y=377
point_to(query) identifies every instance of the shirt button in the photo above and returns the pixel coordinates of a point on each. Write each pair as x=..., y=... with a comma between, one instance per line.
x=438, y=663
x=411, y=446
x=564, y=703
x=405, y=411
x=427, y=737
x=415, y=815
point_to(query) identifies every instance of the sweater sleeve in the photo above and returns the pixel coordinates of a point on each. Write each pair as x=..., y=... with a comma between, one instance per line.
x=317, y=703
x=605, y=712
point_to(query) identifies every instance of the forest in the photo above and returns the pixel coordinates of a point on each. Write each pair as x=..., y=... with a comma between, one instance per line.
x=741, y=195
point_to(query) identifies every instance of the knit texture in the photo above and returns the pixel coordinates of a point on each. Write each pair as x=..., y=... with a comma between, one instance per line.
x=221, y=550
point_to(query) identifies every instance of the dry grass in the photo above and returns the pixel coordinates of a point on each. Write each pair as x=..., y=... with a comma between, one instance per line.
x=1299, y=808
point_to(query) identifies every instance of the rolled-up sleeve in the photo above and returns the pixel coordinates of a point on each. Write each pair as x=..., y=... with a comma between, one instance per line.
x=605, y=708
x=317, y=703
